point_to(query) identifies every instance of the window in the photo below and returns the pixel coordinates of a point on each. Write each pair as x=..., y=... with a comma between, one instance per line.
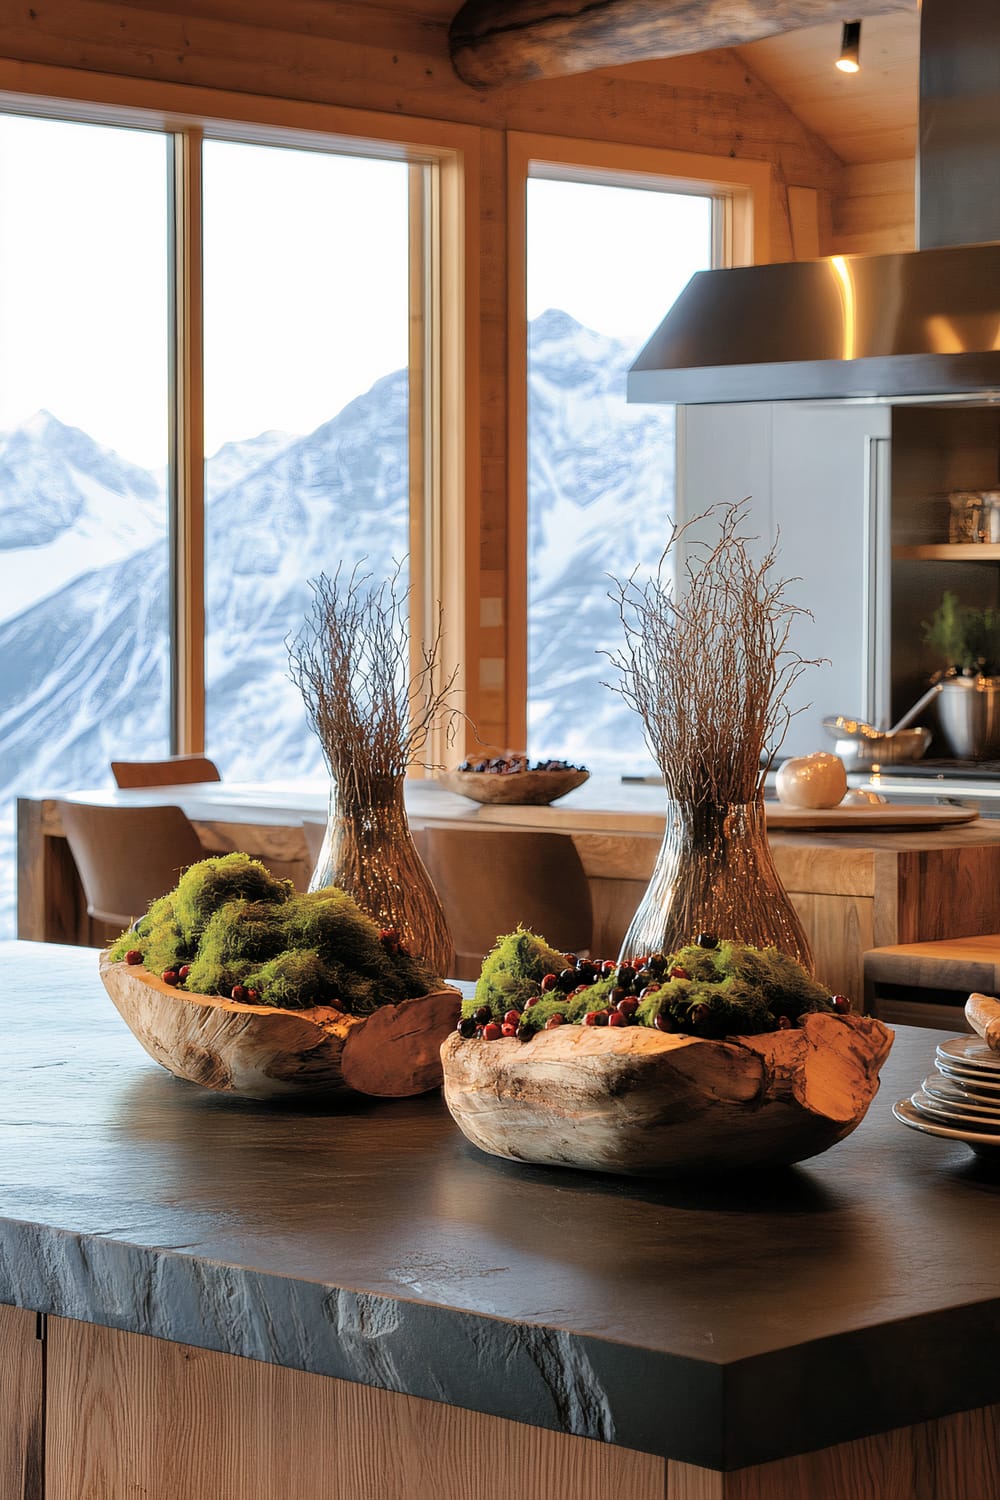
x=604, y=263
x=84, y=600
x=257, y=416
x=306, y=408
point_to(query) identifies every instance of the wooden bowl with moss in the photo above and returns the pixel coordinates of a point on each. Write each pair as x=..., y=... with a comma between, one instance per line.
x=237, y=982
x=726, y=1057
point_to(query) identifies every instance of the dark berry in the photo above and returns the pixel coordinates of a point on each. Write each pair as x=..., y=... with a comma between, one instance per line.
x=586, y=973
x=169, y=976
x=642, y=977
x=657, y=962
x=626, y=974
x=554, y=1021
x=664, y=1022
x=707, y=940
x=483, y=1014
x=467, y=1027
x=607, y=968
x=840, y=1003
x=491, y=1032
x=784, y=1023
x=548, y=983
x=628, y=1006
x=133, y=956
x=567, y=979
x=524, y=1033
x=238, y=992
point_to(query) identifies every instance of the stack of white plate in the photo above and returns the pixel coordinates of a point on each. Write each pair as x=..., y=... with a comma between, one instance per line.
x=961, y=1099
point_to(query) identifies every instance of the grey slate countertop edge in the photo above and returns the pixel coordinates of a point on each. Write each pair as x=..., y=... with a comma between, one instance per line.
x=715, y=1416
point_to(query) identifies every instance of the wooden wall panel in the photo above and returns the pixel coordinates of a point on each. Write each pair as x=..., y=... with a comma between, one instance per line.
x=130, y=1416
x=20, y=1405
x=875, y=212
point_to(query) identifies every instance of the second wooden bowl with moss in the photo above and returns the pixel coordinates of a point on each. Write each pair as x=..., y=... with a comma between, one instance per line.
x=718, y=1057
x=239, y=983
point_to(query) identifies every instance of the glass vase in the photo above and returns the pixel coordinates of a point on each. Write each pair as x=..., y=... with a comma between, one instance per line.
x=714, y=873
x=368, y=851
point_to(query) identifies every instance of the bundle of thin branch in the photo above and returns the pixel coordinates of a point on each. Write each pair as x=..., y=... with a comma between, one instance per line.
x=706, y=664
x=351, y=662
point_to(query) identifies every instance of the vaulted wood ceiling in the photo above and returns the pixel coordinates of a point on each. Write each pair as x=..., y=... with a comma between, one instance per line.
x=865, y=117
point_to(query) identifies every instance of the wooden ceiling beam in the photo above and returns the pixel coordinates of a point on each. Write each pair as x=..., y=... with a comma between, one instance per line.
x=513, y=41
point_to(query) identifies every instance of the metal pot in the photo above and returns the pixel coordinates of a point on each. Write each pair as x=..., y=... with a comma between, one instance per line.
x=860, y=752
x=969, y=713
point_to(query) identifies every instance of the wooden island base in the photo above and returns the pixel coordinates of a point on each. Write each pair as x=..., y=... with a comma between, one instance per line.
x=124, y=1415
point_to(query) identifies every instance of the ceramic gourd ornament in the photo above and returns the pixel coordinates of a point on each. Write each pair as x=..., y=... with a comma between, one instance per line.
x=817, y=780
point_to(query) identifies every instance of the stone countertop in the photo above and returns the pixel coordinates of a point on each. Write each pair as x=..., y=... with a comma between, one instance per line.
x=721, y=1323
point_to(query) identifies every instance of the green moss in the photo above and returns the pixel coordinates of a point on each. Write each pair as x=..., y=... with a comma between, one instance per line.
x=233, y=923
x=513, y=972
x=729, y=990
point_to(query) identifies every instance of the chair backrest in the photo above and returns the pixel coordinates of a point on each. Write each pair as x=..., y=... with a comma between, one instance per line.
x=489, y=880
x=128, y=856
x=173, y=771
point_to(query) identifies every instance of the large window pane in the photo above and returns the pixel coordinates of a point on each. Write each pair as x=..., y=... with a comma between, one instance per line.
x=306, y=327
x=83, y=452
x=604, y=265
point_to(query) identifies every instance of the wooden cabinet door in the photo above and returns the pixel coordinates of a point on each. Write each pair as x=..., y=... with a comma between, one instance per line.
x=21, y=1427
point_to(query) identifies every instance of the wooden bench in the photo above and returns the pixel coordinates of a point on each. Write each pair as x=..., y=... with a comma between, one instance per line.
x=927, y=984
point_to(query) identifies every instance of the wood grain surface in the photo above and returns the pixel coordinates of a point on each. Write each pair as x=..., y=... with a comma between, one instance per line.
x=133, y=1416
x=21, y=1423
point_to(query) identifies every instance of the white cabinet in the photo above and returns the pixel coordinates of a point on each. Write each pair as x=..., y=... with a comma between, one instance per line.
x=816, y=477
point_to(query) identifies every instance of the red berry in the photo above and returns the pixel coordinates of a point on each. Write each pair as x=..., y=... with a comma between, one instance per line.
x=677, y=972
x=184, y=970
x=548, y=983
x=508, y=1028
x=628, y=1006
x=580, y=989
x=608, y=967
x=590, y=1019
x=554, y=1021
x=133, y=956
x=491, y=1032
x=253, y=996
x=840, y=1003
x=512, y=1017
x=169, y=976
x=663, y=1022
x=238, y=992
x=617, y=1019
x=649, y=989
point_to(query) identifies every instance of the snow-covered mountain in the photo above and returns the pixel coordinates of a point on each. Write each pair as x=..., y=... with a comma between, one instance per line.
x=84, y=571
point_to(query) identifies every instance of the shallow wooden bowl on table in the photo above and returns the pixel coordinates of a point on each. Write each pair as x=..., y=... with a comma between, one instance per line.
x=265, y=1052
x=642, y=1102
x=513, y=788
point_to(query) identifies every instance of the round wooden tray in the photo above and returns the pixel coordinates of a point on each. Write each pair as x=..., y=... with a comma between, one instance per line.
x=514, y=788
x=638, y=1101
x=264, y=1052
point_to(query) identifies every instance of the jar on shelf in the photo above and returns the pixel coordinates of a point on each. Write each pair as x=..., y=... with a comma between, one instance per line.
x=965, y=516
x=990, y=515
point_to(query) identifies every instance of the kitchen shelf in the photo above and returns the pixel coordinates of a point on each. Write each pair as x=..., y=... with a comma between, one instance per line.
x=950, y=552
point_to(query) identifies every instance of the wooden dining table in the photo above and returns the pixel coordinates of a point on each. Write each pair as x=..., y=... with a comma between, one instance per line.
x=856, y=883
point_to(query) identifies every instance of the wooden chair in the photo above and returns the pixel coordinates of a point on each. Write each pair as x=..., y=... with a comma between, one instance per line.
x=489, y=880
x=127, y=856
x=175, y=770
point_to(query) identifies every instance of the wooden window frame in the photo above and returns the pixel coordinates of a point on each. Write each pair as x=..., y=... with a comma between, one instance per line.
x=443, y=340
x=741, y=236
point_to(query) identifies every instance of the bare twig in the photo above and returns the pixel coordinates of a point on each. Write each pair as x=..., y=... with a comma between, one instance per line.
x=707, y=666
x=351, y=663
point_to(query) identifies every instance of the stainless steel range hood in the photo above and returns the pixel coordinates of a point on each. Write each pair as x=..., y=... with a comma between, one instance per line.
x=924, y=323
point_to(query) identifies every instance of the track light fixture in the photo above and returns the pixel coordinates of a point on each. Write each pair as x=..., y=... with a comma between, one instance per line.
x=849, y=60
